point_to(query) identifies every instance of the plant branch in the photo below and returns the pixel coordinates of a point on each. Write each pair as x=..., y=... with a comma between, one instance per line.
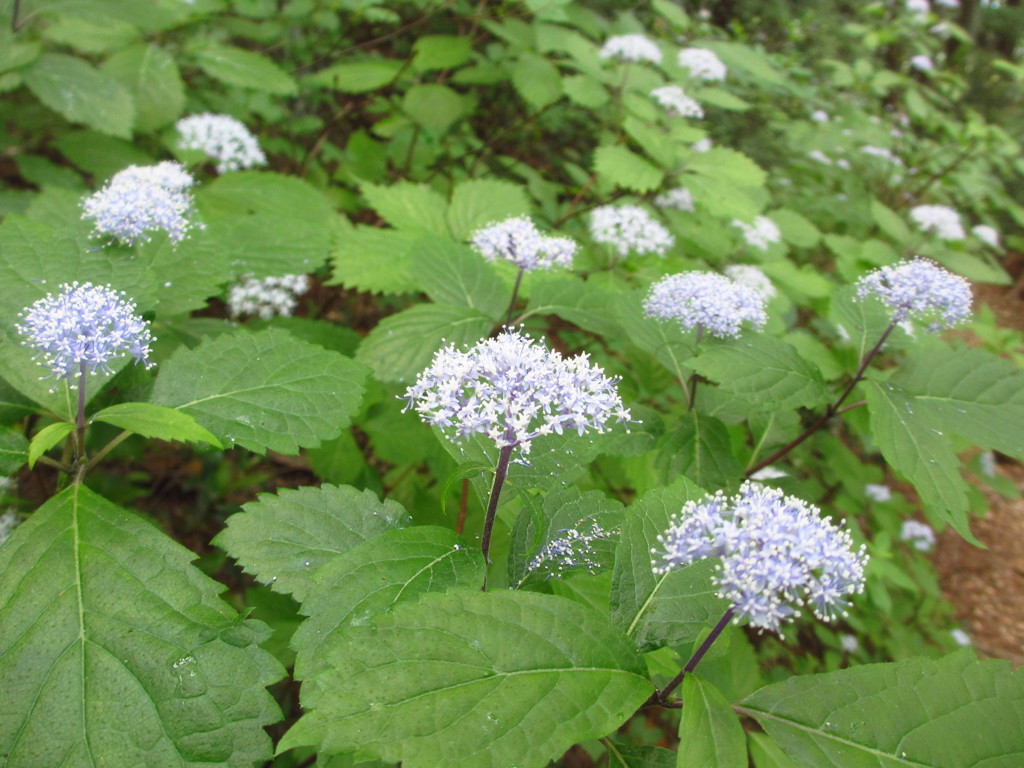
x=500, y=473
x=661, y=697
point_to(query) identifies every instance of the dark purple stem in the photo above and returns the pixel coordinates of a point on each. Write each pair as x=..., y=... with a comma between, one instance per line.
x=515, y=294
x=661, y=697
x=500, y=473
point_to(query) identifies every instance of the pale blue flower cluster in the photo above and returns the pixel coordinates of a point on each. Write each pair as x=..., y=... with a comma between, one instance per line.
x=82, y=328
x=513, y=390
x=517, y=240
x=222, y=138
x=777, y=554
x=572, y=550
x=703, y=64
x=919, y=535
x=266, y=297
x=919, y=290
x=940, y=219
x=629, y=229
x=676, y=102
x=140, y=200
x=706, y=300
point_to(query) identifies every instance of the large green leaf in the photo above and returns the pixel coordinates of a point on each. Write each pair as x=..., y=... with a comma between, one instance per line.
x=402, y=345
x=264, y=390
x=455, y=274
x=284, y=538
x=358, y=76
x=13, y=451
x=156, y=421
x=863, y=321
x=537, y=80
x=409, y=206
x=709, y=732
x=768, y=373
x=372, y=577
x=473, y=679
x=581, y=303
x=82, y=94
x=373, y=259
x=728, y=165
x=952, y=712
x=151, y=75
x=433, y=106
x=114, y=650
x=624, y=168
x=246, y=69
x=660, y=609
x=698, y=447
x=665, y=340
x=479, y=202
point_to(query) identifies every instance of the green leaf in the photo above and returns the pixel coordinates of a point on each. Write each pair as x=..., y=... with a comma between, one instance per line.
x=767, y=372
x=889, y=222
x=13, y=451
x=537, y=80
x=622, y=755
x=245, y=69
x=440, y=52
x=283, y=539
x=863, y=321
x=796, y=230
x=455, y=274
x=581, y=303
x=376, y=260
x=433, y=106
x=264, y=390
x=156, y=421
x=101, y=35
x=667, y=341
x=718, y=97
x=664, y=609
x=727, y=165
x=477, y=203
x=99, y=154
x=525, y=676
x=46, y=438
x=710, y=732
x=114, y=650
x=402, y=345
x=699, y=448
x=358, y=77
x=81, y=93
x=625, y=168
x=151, y=76
x=409, y=206
x=951, y=712
x=919, y=452
x=372, y=577
x=585, y=90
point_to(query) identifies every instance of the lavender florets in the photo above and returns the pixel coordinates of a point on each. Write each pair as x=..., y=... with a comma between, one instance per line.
x=222, y=138
x=517, y=240
x=706, y=300
x=919, y=290
x=629, y=228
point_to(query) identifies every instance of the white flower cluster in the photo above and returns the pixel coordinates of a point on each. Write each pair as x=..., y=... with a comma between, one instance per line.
x=513, y=390
x=679, y=198
x=819, y=157
x=266, y=297
x=222, y=138
x=878, y=492
x=960, y=637
x=8, y=521
x=919, y=535
x=920, y=290
x=142, y=199
x=629, y=228
x=922, y=63
x=918, y=6
x=676, y=102
x=752, y=277
x=819, y=116
x=761, y=234
x=706, y=300
x=703, y=64
x=517, y=240
x=777, y=554
x=702, y=146
x=988, y=235
x=849, y=643
x=882, y=152
x=631, y=48
x=940, y=219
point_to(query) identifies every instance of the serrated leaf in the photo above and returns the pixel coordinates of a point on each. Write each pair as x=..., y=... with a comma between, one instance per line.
x=727, y=165
x=409, y=206
x=672, y=346
x=440, y=52
x=115, y=650
x=13, y=451
x=951, y=712
x=151, y=76
x=433, y=106
x=264, y=390
x=709, y=732
x=699, y=448
x=625, y=168
x=75, y=89
x=664, y=609
x=245, y=69
x=767, y=372
x=46, y=438
x=889, y=222
x=478, y=202
x=402, y=345
x=284, y=538
x=796, y=230
x=581, y=303
x=525, y=676
x=359, y=76
x=863, y=321
x=371, y=577
x=631, y=756
x=376, y=260
x=919, y=452
x=99, y=154
x=537, y=80
x=156, y=421
x=452, y=273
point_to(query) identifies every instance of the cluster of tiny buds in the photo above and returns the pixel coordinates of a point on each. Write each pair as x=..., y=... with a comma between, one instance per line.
x=676, y=102
x=513, y=390
x=777, y=554
x=82, y=329
x=140, y=200
x=919, y=290
x=703, y=64
x=940, y=219
x=760, y=234
x=573, y=550
x=631, y=48
x=919, y=535
x=266, y=297
x=706, y=300
x=222, y=138
x=517, y=240
x=629, y=229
